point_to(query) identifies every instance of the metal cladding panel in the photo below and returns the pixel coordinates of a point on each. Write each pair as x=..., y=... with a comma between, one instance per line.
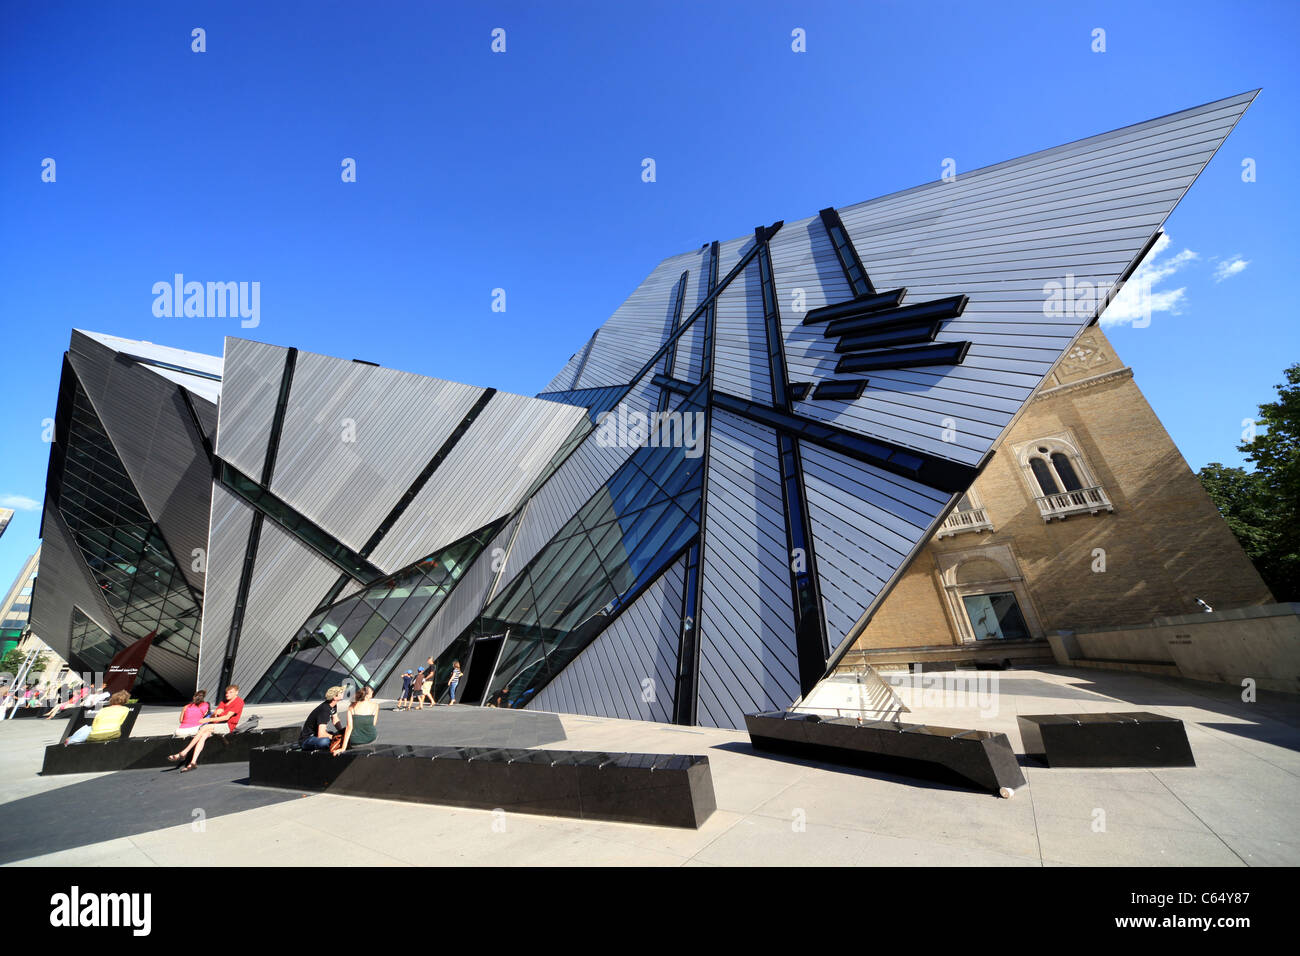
x=997, y=235
x=567, y=379
x=581, y=475
x=288, y=583
x=356, y=436
x=731, y=252
x=250, y=389
x=865, y=523
x=690, y=347
x=807, y=276
x=199, y=373
x=689, y=364
x=483, y=477
x=558, y=500
x=63, y=582
x=748, y=660
x=456, y=613
x=584, y=397
x=609, y=678
x=1084, y=211
x=227, y=541
x=175, y=669
x=569, y=374
x=207, y=415
x=151, y=429
x=638, y=328
x=741, y=365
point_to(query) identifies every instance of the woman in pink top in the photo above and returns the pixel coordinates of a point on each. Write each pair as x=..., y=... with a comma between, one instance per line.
x=193, y=713
x=77, y=697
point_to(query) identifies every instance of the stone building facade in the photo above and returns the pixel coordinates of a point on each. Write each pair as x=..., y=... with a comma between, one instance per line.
x=1086, y=518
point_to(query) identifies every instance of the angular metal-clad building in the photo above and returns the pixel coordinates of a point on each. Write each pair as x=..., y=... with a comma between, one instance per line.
x=125, y=524
x=342, y=488
x=705, y=506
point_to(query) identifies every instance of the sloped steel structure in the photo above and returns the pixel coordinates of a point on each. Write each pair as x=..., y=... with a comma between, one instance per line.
x=705, y=506
x=125, y=524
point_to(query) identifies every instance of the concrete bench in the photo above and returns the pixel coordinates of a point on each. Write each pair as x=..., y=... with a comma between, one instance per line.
x=947, y=754
x=1136, y=739
x=659, y=789
x=132, y=753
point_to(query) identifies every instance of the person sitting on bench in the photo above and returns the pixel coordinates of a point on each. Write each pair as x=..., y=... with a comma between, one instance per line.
x=193, y=713
x=223, y=721
x=318, y=726
x=97, y=698
x=76, y=698
x=107, y=724
x=361, y=717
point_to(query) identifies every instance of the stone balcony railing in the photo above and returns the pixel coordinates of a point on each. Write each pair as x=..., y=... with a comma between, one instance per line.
x=958, y=521
x=1084, y=500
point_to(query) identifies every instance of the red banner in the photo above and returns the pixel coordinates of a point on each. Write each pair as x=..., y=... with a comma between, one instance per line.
x=125, y=666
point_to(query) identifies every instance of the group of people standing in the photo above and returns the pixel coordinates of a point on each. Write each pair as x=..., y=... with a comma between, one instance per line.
x=417, y=685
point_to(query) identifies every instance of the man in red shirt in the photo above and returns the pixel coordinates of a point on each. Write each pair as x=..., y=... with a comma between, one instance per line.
x=222, y=721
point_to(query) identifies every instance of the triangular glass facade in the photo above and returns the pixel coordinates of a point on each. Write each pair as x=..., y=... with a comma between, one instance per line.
x=93, y=649
x=123, y=548
x=595, y=566
x=360, y=639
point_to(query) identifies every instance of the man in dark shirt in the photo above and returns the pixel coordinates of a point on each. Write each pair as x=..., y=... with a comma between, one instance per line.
x=316, y=729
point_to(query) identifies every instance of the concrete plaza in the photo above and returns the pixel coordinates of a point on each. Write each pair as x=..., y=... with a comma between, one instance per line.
x=1237, y=807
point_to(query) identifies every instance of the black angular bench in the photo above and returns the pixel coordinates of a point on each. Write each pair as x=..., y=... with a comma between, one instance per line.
x=133, y=753
x=1136, y=739
x=945, y=754
x=29, y=712
x=659, y=789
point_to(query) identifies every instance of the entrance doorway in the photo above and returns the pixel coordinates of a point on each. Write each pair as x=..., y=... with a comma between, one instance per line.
x=478, y=668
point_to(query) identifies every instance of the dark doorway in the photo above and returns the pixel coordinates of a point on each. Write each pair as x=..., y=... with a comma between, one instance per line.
x=478, y=669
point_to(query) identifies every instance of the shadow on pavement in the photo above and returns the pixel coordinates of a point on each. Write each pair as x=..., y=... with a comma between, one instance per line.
x=124, y=804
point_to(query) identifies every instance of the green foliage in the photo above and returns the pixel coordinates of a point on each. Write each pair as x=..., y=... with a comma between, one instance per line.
x=1262, y=507
x=12, y=662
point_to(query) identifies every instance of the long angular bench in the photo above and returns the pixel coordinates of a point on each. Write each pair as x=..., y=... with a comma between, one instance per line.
x=1133, y=739
x=948, y=754
x=133, y=753
x=660, y=789
x=30, y=712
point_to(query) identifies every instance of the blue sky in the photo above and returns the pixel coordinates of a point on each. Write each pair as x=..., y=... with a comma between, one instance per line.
x=522, y=171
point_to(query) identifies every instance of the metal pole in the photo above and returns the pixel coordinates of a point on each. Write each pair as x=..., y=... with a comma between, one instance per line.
x=18, y=682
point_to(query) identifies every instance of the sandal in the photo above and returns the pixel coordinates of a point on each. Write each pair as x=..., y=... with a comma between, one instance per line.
x=187, y=767
x=174, y=757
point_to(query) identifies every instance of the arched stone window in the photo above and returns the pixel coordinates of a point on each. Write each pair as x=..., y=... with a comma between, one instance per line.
x=1043, y=475
x=1060, y=479
x=1065, y=471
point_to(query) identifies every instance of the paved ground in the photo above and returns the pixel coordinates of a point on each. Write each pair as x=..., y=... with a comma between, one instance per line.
x=1237, y=807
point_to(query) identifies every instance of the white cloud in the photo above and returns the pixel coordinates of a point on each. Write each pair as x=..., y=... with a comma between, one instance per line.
x=1140, y=299
x=18, y=502
x=1229, y=268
